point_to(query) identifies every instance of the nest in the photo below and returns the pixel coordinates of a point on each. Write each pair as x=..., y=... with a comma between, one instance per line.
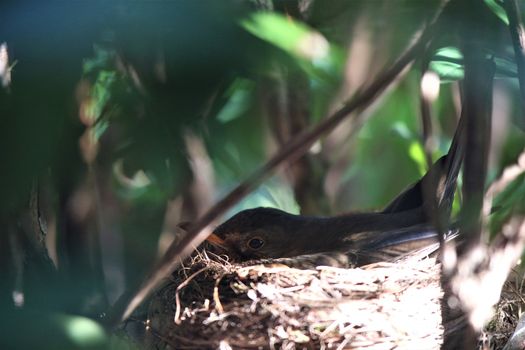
x=212, y=304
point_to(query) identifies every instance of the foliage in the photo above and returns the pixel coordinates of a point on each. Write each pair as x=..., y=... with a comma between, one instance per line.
x=105, y=99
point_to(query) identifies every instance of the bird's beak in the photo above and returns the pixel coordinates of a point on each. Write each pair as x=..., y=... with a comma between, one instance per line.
x=216, y=240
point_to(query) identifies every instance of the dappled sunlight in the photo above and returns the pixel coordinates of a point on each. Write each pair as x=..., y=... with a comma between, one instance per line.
x=5, y=68
x=261, y=174
x=430, y=86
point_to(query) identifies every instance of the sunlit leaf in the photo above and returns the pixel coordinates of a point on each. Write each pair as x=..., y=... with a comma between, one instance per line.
x=272, y=194
x=143, y=185
x=99, y=128
x=498, y=10
x=288, y=34
x=314, y=53
x=456, y=204
x=511, y=201
x=239, y=96
x=417, y=154
x=99, y=60
x=448, y=64
x=83, y=331
x=30, y=329
x=402, y=130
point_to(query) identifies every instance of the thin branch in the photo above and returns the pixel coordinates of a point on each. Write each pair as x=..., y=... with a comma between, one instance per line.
x=295, y=148
x=430, y=189
x=477, y=104
x=178, y=309
x=476, y=112
x=425, y=104
x=216, y=296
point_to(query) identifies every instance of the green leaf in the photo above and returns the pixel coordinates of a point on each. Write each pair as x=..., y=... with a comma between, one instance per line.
x=287, y=34
x=100, y=60
x=310, y=48
x=401, y=129
x=239, y=96
x=498, y=10
x=82, y=331
x=50, y=331
x=447, y=62
x=417, y=154
x=511, y=201
x=272, y=194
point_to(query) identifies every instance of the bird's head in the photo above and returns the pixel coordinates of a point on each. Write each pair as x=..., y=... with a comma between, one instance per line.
x=257, y=233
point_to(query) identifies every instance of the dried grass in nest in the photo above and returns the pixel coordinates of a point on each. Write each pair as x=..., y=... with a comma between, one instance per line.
x=212, y=304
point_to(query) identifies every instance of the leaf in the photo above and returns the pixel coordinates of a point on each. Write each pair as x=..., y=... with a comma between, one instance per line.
x=447, y=62
x=312, y=50
x=272, y=194
x=83, y=332
x=239, y=96
x=417, y=154
x=50, y=331
x=287, y=34
x=498, y=10
x=511, y=201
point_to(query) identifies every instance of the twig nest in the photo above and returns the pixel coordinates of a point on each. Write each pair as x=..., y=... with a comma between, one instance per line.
x=212, y=304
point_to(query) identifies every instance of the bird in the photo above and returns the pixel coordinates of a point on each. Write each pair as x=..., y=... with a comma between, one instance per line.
x=269, y=233
x=403, y=226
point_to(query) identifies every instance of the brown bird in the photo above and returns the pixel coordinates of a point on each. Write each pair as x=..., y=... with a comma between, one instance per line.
x=403, y=226
x=271, y=233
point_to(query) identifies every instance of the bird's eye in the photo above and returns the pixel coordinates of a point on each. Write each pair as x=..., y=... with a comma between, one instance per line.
x=255, y=243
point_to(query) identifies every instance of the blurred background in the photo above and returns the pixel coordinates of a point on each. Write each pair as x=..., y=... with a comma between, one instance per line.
x=119, y=120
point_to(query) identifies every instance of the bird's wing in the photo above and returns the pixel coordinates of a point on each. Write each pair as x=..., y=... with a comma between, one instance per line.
x=395, y=244
x=308, y=261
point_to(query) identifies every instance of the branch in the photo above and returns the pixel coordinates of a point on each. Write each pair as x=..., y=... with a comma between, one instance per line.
x=459, y=272
x=430, y=188
x=477, y=106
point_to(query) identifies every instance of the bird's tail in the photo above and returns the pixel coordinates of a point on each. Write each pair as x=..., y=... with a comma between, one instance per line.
x=442, y=176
